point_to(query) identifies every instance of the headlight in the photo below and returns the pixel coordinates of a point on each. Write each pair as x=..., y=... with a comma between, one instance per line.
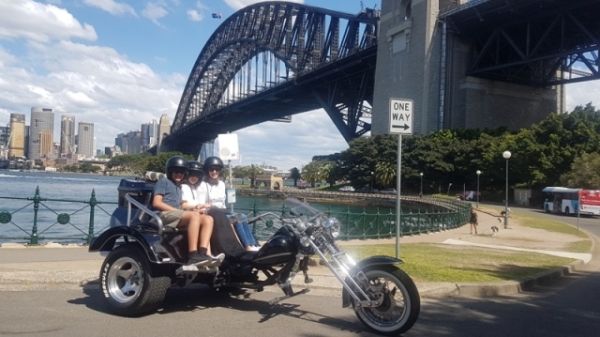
x=333, y=225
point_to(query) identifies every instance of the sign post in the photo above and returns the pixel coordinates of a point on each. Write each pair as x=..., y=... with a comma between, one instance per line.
x=401, y=123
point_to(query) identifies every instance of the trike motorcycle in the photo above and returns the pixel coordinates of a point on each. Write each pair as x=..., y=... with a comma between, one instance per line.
x=144, y=259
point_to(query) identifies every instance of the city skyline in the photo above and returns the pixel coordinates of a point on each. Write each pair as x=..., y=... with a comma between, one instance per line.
x=119, y=64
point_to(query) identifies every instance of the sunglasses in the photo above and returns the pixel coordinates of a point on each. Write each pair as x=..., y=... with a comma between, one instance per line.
x=218, y=169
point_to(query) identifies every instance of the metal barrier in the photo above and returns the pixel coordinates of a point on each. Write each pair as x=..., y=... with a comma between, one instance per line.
x=78, y=224
x=382, y=224
x=71, y=223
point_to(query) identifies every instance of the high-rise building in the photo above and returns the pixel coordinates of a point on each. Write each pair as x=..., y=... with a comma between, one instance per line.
x=130, y=142
x=16, y=142
x=85, y=140
x=149, y=135
x=67, y=136
x=164, y=128
x=41, y=133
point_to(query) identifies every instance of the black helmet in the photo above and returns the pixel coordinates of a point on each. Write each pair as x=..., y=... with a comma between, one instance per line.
x=194, y=168
x=173, y=164
x=213, y=161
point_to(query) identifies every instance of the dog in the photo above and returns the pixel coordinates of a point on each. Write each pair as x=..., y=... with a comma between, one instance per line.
x=495, y=229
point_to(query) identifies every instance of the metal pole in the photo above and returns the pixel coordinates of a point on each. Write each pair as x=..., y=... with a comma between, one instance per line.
x=398, y=200
x=230, y=184
x=478, y=188
x=506, y=199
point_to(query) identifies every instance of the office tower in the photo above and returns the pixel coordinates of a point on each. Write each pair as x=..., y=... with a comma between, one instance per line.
x=67, y=136
x=85, y=140
x=41, y=133
x=16, y=142
x=164, y=128
x=149, y=134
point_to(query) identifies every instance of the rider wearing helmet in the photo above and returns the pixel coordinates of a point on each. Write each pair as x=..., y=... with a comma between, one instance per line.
x=193, y=197
x=214, y=187
x=167, y=201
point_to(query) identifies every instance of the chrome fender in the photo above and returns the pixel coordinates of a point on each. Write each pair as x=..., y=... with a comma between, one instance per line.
x=378, y=260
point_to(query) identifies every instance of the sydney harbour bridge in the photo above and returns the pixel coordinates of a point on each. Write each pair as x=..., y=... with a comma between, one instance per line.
x=275, y=59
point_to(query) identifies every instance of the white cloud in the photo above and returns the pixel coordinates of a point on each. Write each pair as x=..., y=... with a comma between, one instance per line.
x=154, y=12
x=94, y=83
x=238, y=4
x=111, y=6
x=40, y=22
x=194, y=15
x=287, y=145
x=583, y=93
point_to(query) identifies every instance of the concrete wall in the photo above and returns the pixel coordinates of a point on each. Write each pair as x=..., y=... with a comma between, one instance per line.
x=410, y=64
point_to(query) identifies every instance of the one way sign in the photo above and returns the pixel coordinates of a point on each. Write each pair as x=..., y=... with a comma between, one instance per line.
x=401, y=116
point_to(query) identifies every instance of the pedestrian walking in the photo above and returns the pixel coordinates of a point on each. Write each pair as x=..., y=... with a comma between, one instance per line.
x=473, y=222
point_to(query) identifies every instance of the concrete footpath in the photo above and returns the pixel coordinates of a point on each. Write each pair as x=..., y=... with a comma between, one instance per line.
x=55, y=266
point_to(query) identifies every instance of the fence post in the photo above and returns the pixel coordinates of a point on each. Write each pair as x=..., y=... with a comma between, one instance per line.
x=93, y=203
x=33, y=240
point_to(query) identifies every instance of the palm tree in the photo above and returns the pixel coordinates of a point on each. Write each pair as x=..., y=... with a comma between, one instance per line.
x=385, y=172
x=253, y=172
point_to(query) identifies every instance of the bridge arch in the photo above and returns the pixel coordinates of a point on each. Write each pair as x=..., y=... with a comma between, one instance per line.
x=301, y=39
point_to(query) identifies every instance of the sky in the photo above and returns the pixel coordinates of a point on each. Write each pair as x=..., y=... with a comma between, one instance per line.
x=120, y=63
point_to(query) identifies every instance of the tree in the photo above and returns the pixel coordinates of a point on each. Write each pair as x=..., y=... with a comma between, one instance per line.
x=240, y=172
x=584, y=172
x=253, y=172
x=312, y=172
x=295, y=175
x=385, y=172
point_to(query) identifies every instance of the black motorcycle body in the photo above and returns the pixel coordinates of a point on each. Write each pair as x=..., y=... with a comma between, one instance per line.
x=144, y=259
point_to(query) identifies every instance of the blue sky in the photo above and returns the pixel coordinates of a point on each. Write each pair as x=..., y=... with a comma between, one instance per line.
x=120, y=63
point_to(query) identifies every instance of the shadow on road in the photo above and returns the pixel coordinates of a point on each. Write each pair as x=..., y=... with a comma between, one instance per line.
x=200, y=298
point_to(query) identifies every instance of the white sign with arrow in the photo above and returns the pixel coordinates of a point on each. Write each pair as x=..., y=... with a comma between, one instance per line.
x=401, y=116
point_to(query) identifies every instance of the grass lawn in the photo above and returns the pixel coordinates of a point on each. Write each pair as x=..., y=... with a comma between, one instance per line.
x=442, y=263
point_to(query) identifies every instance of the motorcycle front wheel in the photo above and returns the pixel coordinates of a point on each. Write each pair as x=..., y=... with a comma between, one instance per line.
x=399, y=303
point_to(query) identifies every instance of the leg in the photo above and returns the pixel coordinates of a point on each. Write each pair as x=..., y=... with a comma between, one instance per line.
x=191, y=222
x=206, y=229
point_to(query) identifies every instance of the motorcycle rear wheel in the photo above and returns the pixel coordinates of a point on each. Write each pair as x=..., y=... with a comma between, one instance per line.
x=128, y=284
x=400, y=302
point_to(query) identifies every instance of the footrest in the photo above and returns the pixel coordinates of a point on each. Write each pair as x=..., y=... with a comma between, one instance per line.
x=193, y=269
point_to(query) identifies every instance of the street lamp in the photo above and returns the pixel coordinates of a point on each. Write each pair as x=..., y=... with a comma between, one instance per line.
x=421, y=188
x=506, y=155
x=478, y=172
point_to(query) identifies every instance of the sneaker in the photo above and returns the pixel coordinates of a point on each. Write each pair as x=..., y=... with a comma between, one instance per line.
x=252, y=249
x=199, y=259
x=218, y=258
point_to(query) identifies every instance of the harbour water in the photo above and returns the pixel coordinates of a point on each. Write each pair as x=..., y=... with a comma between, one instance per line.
x=67, y=216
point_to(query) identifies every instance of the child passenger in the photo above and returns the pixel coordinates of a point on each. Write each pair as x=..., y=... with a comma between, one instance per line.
x=167, y=200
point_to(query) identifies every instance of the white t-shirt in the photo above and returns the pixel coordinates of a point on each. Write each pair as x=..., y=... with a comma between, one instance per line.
x=205, y=193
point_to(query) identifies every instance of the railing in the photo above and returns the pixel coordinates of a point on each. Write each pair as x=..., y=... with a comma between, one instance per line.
x=33, y=220
x=382, y=224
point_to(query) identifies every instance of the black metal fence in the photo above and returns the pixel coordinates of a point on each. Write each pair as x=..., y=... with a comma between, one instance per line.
x=34, y=220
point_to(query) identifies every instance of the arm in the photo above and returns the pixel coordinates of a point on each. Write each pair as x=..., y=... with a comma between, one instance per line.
x=159, y=204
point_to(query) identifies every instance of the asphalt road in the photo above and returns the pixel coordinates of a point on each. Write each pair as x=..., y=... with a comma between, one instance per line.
x=569, y=307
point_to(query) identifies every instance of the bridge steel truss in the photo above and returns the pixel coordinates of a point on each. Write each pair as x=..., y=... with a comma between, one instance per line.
x=329, y=59
x=533, y=42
